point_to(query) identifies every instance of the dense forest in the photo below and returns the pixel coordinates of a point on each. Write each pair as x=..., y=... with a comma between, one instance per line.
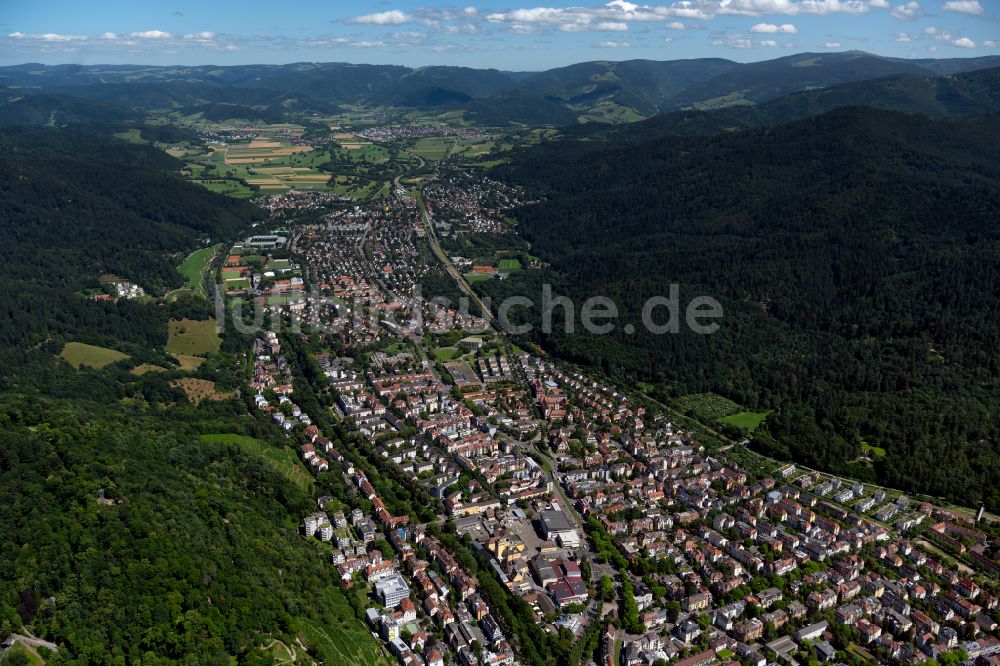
x=857, y=258
x=77, y=204
x=194, y=558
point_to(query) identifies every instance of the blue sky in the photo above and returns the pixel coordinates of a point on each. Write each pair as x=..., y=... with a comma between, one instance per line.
x=506, y=34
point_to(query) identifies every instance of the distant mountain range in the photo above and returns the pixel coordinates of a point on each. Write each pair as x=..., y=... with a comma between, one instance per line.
x=975, y=93
x=602, y=91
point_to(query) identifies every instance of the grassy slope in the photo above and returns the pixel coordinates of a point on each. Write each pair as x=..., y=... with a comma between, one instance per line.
x=79, y=354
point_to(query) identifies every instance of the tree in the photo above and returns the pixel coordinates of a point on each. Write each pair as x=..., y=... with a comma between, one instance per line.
x=607, y=589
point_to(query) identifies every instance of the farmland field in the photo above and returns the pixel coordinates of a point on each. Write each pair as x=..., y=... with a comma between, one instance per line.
x=79, y=354
x=192, y=337
x=269, y=164
x=432, y=148
x=232, y=188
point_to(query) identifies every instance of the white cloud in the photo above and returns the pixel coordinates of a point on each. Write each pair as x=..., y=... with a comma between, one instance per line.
x=990, y=44
x=613, y=26
x=338, y=42
x=904, y=37
x=581, y=18
x=46, y=37
x=791, y=8
x=461, y=29
x=940, y=34
x=831, y=45
x=734, y=42
x=964, y=6
x=391, y=17
x=770, y=43
x=150, y=34
x=612, y=45
x=772, y=29
x=907, y=12
x=964, y=43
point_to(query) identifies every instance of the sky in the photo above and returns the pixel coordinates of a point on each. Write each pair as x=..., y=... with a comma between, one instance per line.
x=512, y=35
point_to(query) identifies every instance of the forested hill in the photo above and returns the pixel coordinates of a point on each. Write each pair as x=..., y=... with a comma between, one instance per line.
x=76, y=204
x=598, y=91
x=857, y=255
x=193, y=556
x=194, y=559
x=968, y=94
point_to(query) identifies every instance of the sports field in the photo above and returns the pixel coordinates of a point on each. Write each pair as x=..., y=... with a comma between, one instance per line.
x=509, y=265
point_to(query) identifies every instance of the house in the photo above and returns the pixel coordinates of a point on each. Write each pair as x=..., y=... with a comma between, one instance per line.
x=825, y=651
x=782, y=647
x=811, y=632
x=687, y=631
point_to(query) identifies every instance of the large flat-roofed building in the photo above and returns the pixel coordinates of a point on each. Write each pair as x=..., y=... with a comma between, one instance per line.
x=392, y=590
x=556, y=526
x=267, y=242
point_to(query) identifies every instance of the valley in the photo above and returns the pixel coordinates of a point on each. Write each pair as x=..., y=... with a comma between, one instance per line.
x=266, y=400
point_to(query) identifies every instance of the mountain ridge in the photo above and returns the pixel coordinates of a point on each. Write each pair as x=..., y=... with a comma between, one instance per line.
x=600, y=90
